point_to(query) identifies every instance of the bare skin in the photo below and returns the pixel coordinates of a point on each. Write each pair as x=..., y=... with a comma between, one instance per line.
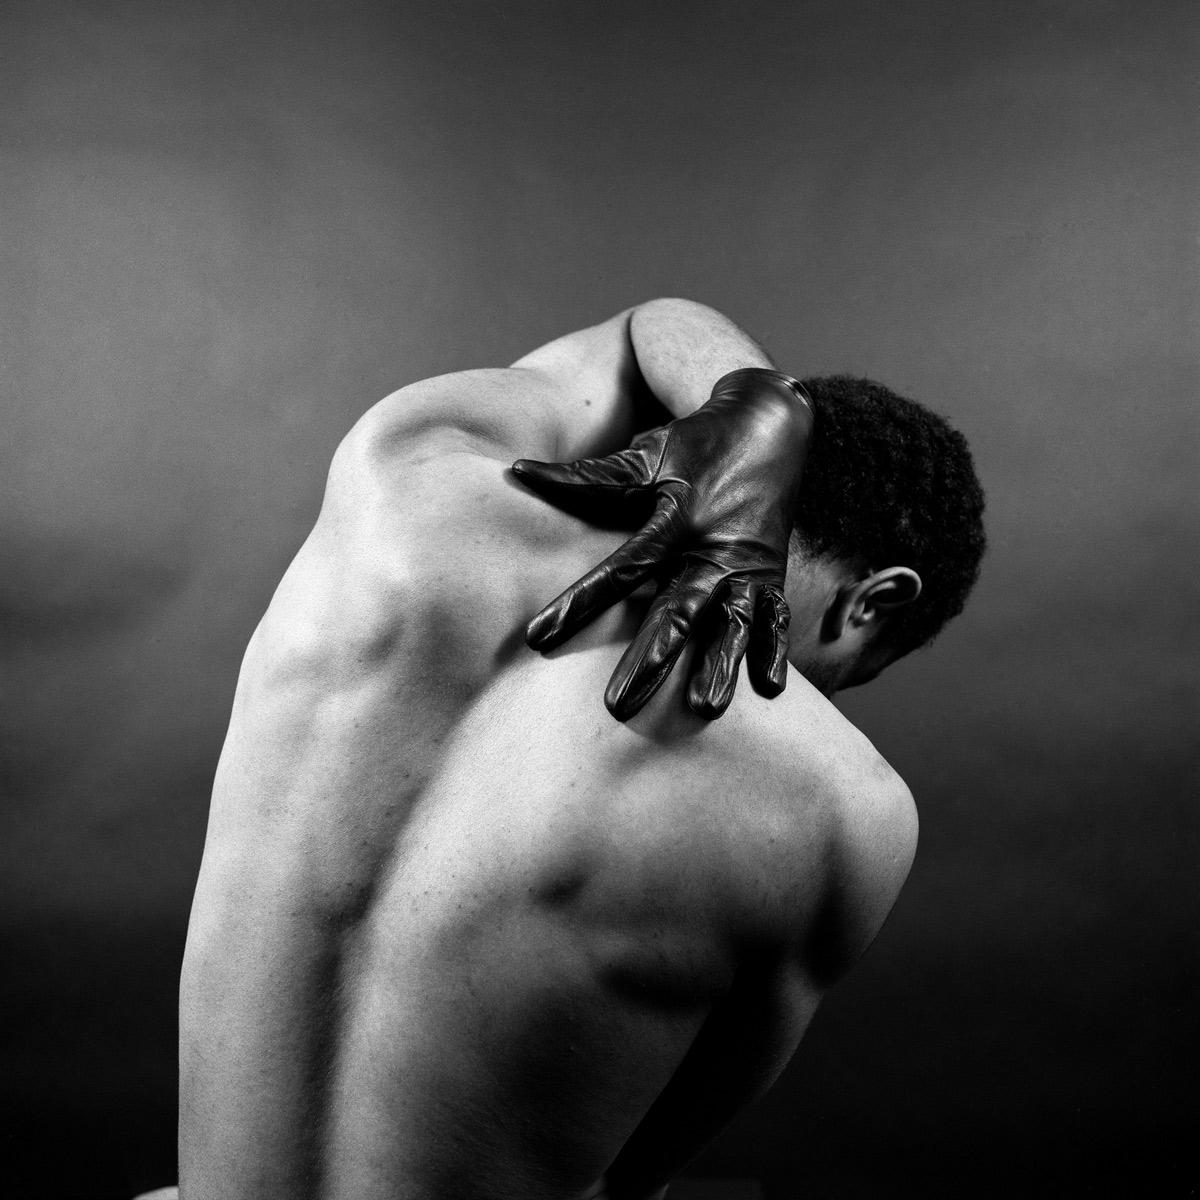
x=458, y=933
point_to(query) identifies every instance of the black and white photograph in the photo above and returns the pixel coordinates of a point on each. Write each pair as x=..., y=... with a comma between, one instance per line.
x=599, y=601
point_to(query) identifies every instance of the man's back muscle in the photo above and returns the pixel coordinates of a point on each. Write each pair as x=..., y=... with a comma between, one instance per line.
x=456, y=928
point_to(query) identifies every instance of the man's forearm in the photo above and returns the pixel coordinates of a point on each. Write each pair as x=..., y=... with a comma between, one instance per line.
x=682, y=348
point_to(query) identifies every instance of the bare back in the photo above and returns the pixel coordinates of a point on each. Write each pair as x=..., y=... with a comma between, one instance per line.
x=458, y=933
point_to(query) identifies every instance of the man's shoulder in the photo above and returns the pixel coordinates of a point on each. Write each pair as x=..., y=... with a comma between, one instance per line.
x=495, y=412
x=780, y=809
x=873, y=832
x=546, y=407
x=423, y=478
x=847, y=820
x=425, y=540
x=815, y=746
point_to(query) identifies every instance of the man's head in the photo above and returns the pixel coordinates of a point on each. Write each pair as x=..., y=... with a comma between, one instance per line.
x=888, y=535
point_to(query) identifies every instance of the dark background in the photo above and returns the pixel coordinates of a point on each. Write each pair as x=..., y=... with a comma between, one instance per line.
x=229, y=228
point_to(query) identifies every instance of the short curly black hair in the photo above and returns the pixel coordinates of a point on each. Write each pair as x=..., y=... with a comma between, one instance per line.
x=890, y=483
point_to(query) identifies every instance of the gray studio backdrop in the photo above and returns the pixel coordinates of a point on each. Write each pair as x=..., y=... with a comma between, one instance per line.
x=227, y=229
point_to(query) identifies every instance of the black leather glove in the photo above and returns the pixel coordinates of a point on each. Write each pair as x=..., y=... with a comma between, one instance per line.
x=723, y=483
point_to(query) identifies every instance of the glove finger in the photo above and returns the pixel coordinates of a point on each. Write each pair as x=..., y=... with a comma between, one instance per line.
x=628, y=469
x=648, y=659
x=714, y=681
x=767, y=659
x=610, y=581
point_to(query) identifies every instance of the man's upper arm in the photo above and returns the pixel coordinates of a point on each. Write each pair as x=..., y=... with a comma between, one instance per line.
x=604, y=399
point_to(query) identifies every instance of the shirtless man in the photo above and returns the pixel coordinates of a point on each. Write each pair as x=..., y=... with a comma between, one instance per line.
x=459, y=933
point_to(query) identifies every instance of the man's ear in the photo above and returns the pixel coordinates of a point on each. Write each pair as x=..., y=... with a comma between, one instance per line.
x=866, y=602
x=881, y=593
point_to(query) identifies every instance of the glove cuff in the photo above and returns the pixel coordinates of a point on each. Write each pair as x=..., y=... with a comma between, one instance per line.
x=746, y=375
